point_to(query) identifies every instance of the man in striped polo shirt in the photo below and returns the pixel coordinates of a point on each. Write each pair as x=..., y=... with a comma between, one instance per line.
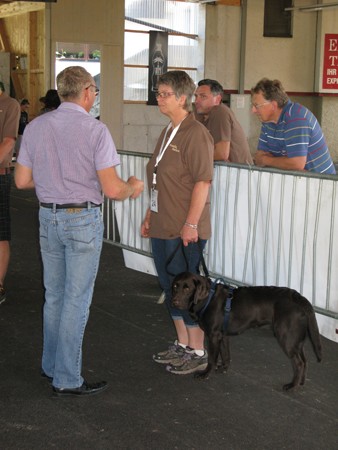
x=291, y=137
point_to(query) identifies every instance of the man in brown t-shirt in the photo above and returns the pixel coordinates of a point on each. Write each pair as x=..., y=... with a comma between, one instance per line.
x=9, y=122
x=230, y=141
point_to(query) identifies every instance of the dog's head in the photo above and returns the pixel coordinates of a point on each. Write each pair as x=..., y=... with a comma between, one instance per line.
x=188, y=289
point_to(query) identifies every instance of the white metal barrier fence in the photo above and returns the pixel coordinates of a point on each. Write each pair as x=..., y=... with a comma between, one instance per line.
x=269, y=228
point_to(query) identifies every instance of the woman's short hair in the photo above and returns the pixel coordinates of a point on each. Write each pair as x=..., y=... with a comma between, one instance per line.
x=181, y=83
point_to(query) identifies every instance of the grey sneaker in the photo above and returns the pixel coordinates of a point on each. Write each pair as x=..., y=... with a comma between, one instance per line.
x=2, y=294
x=190, y=363
x=173, y=355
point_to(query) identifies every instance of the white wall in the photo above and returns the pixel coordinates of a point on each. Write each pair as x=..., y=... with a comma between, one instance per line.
x=295, y=61
x=142, y=125
x=291, y=60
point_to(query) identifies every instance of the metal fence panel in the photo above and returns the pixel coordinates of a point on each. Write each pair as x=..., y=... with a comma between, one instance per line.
x=269, y=228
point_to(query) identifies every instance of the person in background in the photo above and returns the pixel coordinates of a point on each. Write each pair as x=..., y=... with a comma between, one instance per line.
x=70, y=159
x=291, y=137
x=24, y=106
x=42, y=102
x=230, y=141
x=9, y=123
x=51, y=101
x=179, y=175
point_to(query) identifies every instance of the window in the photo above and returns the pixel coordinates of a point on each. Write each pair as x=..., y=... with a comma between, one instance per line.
x=179, y=19
x=277, y=21
x=85, y=55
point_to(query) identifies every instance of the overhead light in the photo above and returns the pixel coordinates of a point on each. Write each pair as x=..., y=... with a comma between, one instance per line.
x=316, y=7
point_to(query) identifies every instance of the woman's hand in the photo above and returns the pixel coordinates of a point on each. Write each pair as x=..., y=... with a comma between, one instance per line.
x=145, y=227
x=188, y=235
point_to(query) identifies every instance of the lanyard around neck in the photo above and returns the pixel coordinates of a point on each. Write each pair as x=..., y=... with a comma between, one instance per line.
x=164, y=148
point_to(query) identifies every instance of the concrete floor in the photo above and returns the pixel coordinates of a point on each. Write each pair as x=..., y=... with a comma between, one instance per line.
x=146, y=408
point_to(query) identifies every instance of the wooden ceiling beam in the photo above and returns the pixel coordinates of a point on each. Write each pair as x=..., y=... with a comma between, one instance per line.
x=6, y=46
x=13, y=8
x=218, y=2
x=229, y=2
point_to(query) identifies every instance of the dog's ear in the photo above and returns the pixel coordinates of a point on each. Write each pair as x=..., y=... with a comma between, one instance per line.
x=202, y=289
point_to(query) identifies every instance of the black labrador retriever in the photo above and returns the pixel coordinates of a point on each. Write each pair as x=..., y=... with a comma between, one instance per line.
x=290, y=314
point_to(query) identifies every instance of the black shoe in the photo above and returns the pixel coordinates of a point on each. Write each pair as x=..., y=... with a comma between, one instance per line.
x=46, y=377
x=85, y=389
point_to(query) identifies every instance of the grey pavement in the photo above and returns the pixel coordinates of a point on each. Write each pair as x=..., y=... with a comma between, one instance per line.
x=145, y=407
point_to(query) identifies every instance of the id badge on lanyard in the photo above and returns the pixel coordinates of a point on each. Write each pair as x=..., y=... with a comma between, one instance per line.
x=154, y=200
x=154, y=191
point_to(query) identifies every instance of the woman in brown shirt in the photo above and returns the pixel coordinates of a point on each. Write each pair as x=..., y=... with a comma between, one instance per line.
x=179, y=176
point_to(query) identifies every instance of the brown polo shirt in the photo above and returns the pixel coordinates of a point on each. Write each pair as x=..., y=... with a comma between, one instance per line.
x=187, y=160
x=9, y=121
x=224, y=126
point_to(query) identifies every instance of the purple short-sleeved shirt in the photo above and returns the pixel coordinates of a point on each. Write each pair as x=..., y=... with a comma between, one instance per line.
x=64, y=148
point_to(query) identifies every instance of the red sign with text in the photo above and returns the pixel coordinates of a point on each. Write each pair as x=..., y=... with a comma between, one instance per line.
x=330, y=66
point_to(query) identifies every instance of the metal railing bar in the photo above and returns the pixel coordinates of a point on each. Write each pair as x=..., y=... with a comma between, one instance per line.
x=264, y=256
x=315, y=237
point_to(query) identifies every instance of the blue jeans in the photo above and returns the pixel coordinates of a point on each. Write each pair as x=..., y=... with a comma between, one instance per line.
x=185, y=259
x=71, y=244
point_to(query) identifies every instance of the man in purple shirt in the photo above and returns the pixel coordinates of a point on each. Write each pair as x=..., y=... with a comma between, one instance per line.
x=69, y=157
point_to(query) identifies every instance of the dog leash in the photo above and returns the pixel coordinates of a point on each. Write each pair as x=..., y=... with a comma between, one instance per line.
x=171, y=257
x=180, y=245
x=228, y=303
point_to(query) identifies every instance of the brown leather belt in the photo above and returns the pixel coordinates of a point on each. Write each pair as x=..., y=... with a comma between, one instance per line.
x=5, y=170
x=70, y=205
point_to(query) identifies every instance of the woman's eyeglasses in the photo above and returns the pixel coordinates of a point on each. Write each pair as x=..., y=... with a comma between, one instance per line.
x=164, y=94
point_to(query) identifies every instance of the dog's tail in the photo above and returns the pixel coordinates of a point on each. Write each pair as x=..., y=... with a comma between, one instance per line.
x=312, y=326
x=313, y=331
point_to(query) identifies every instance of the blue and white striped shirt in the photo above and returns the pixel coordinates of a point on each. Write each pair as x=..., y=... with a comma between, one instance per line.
x=297, y=133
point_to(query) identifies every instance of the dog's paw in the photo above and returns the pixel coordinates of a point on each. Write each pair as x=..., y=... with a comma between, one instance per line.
x=221, y=368
x=288, y=386
x=202, y=375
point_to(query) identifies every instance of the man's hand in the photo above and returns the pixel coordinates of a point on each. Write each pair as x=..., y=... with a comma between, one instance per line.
x=259, y=158
x=265, y=159
x=137, y=185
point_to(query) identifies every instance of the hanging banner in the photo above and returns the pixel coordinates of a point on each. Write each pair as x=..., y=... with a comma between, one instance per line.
x=158, y=62
x=330, y=64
